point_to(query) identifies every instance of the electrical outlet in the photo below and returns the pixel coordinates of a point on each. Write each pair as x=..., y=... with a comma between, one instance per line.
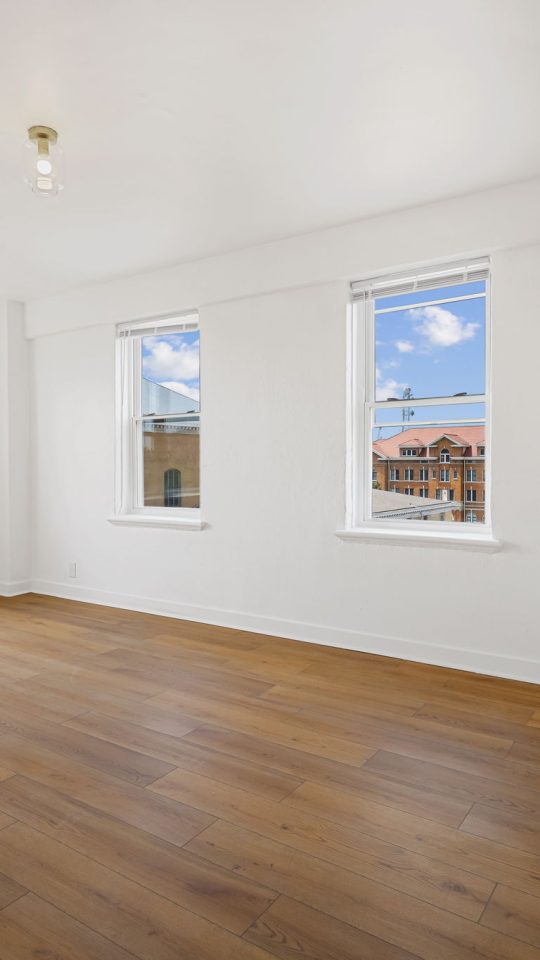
x=72, y=568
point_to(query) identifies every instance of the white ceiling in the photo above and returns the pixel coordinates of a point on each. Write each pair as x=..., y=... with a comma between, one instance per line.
x=192, y=128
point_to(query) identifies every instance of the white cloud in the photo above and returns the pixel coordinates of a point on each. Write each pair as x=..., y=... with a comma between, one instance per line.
x=388, y=387
x=166, y=362
x=441, y=327
x=404, y=346
x=183, y=388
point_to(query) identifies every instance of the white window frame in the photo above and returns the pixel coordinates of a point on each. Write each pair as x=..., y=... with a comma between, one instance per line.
x=129, y=489
x=362, y=404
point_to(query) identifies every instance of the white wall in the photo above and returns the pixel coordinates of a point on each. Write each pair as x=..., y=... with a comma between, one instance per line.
x=273, y=453
x=14, y=450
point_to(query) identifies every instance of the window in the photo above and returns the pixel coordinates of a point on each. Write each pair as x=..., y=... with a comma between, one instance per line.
x=423, y=492
x=451, y=494
x=374, y=476
x=419, y=347
x=470, y=516
x=481, y=451
x=172, y=488
x=409, y=491
x=159, y=420
x=470, y=496
x=471, y=475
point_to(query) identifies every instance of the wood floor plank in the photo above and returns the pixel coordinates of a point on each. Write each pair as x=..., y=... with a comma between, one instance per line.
x=497, y=725
x=126, y=764
x=438, y=883
x=167, y=819
x=514, y=829
x=9, y=891
x=465, y=786
x=173, y=872
x=129, y=663
x=360, y=780
x=131, y=916
x=33, y=928
x=181, y=753
x=513, y=913
x=250, y=718
x=293, y=931
x=401, y=920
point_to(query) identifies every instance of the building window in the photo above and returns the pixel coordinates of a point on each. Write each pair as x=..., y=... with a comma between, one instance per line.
x=172, y=488
x=159, y=418
x=451, y=494
x=481, y=451
x=409, y=491
x=434, y=324
x=470, y=516
x=471, y=475
x=423, y=492
x=470, y=496
x=409, y=473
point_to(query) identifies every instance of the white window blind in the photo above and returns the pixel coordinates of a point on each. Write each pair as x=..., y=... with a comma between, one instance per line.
x=404, y=283
x=153, y=327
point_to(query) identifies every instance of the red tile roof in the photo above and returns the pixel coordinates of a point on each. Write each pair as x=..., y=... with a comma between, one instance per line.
x=470, y=437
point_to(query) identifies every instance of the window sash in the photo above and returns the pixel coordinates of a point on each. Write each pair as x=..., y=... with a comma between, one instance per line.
x=130, y=418
x=362, y=386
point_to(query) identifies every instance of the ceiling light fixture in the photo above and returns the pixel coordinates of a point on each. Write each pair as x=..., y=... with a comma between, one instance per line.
x=44, y=162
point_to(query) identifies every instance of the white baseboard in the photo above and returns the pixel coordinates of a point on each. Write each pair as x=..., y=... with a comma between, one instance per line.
x=14, y=588
x=459, y=658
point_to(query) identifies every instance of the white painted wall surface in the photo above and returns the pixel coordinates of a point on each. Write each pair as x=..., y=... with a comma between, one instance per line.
x=273, y=452
x=14, y=450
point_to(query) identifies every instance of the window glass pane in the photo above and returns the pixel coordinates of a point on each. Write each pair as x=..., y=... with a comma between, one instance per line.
x=406, y=416
x=429, y=349
x=171, y=462
x=170, y=373
x=429, y=473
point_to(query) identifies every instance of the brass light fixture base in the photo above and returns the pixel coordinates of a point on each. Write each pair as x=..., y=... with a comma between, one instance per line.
x=42, y=136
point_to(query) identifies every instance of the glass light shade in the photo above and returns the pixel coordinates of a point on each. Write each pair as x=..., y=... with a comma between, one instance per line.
x=44, y=168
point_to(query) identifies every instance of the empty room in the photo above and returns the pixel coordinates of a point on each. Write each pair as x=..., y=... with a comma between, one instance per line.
x=269, y=571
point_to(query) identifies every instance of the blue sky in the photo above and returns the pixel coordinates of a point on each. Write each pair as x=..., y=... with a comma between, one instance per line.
x=173, y=361
x=435, y=350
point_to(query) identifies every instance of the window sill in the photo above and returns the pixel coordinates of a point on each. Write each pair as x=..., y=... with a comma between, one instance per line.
x=464, y=541
x=143, y=520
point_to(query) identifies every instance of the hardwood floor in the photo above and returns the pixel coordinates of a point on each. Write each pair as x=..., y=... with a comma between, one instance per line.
x=176, y=791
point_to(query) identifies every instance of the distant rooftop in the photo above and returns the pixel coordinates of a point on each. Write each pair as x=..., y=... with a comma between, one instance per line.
x=386, y=503
x=160, y=399
x=466, y=436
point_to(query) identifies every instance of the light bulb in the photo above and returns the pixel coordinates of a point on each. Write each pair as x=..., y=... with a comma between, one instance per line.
x=43, y=165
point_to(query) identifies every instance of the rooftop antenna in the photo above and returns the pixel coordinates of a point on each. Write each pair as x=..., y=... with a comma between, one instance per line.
x=407, y=412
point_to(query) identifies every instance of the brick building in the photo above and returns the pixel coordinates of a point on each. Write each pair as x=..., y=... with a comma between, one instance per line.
x=435, y=463
x=171, y=448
